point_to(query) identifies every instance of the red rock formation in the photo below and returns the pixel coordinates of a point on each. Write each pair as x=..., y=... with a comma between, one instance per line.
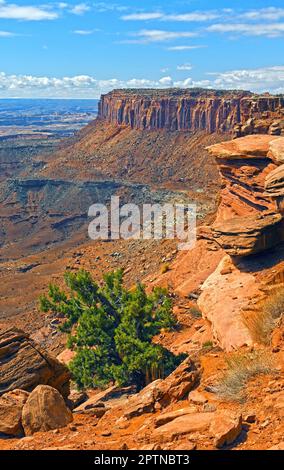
x=248, y=223
x=248, y=220
x=190, y=109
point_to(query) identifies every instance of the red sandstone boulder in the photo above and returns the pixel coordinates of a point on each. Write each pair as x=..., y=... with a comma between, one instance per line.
x=225, y=428
x=44, y=410
x=143, y=402
x=178, y=384
x=11, y=405
x=276, y=151
x=187, y=424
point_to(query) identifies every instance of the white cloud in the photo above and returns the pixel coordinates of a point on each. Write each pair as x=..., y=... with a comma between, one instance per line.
x=26, y=13
x=80, y=9
x=271, y=14
x=85, y=86
x=192, y=17
x=6, y=34
x=142, y=16
x=146, y=36
x=195, y=16
x=184, y=67
x=259, y=80
x=261, y=29
x=85, y=32
x=103, y=7
x=185, y=48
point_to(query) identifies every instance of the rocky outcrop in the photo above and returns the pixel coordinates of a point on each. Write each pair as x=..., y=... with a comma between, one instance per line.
x=44, y=410
x=190, y=109
x=248, y=220
x=243, y=236
x=24, y=365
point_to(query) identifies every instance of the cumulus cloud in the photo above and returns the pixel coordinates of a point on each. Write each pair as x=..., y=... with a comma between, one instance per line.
x=259, y=80
x=184, y=67
x=85, y=86
x=185, y=48
x=146, y=36
x=271, y=14
x=26, y=13
x=260, y=29
x=103, y=7
x=195, y=16
x=80, y=9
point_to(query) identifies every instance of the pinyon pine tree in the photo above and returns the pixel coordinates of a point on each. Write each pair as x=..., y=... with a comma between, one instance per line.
x=111, y=329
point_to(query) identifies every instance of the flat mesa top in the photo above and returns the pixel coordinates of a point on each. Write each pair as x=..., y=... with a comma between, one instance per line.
x=185, y=92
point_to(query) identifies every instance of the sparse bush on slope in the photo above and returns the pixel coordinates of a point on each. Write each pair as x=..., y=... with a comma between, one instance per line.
x=262, y=323
x=241, y=367
x=111, y=329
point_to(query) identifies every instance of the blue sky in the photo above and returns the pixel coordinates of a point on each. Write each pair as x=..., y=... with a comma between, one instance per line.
x=82, y=49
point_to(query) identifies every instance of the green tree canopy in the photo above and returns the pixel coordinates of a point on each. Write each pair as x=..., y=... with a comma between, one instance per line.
x=111, y=328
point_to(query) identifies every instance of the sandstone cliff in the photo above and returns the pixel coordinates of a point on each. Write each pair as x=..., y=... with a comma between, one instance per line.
x=191, y=109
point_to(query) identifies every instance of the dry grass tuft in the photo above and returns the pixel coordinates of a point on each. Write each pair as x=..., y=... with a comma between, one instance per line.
x=241, y=367
x=165, y=268
x=262, y=323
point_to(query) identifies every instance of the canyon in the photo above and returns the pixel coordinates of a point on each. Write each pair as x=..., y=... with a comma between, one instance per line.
x=152, y=146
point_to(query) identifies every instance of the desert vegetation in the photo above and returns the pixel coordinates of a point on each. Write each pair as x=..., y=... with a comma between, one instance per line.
x=111, y=329
x=240, y=368
x=262, y=323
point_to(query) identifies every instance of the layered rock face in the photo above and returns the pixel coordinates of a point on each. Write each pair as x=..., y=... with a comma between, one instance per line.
x=248, y=220
x=190, y=109
x=249, y=223
x=24, y=365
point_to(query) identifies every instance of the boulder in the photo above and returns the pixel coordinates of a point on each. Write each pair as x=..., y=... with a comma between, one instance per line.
x=11, y=405
x=187, y=424
x=97, y=399
x=225, y=428
x=44, y=410
x=24, y=365
x=76, y=398
x=143, y=402
x=197, y=398
x=178, y=384
x=165, y=418
x=276, y=150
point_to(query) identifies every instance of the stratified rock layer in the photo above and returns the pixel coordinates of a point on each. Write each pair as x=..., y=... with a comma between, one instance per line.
x=189, y=109
x=248, y=220
x=24, y=365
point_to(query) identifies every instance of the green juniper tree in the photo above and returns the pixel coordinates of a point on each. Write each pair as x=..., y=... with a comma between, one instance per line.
x=111, y=329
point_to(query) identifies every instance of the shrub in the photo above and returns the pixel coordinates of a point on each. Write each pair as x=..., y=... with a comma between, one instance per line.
x=165, y=268
x=262, y=323
x=195, y=311
x=208, y=345
x=241, y=367
x=111, y=329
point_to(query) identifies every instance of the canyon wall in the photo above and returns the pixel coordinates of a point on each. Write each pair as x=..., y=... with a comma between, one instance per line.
x=191, y=110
